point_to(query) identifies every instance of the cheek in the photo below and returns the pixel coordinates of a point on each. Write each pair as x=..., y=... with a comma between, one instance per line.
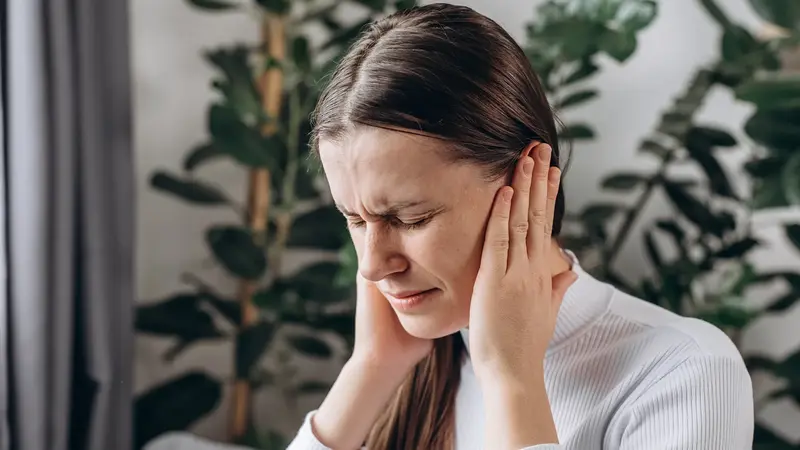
x=453, y=252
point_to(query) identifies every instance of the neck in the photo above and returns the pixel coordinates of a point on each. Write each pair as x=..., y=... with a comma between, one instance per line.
x=557, y=260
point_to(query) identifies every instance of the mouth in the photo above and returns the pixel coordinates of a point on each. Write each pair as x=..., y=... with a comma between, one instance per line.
x=408, y=300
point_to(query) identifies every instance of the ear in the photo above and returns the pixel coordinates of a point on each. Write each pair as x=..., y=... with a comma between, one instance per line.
x=527, y=151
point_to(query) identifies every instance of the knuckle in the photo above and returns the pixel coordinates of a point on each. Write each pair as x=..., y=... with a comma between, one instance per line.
x=541, y=175
x=500, y=244
x=521, y=227
x=548, y=229
x=538, y=216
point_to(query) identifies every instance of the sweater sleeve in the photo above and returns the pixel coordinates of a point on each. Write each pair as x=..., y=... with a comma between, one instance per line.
x=704, y=403
x=305, y=439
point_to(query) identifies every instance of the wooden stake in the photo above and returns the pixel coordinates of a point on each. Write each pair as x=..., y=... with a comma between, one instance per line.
x=258, y=194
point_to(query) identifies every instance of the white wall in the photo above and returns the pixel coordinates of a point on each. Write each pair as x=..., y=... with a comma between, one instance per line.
x=172, y=94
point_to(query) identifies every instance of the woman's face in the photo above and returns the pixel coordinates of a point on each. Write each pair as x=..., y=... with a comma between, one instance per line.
x=417, y=221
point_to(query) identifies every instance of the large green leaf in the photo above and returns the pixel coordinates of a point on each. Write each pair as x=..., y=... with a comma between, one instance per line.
x=738, y=44
x=765, y=439
x=585, y=69
x=251, y=343
x=179, y=316
x=769, y=192
x=759, y=362
x=793, y=234
x=344, y=37
x=784, y=13
x=770, y=166
x=620, y=45
x=778, y=129
x=693, y=209
x=189, y=190
x=708, y=137
x=599, y=213
x=701, y=152
x=737, y=249
x=784, y=302
x=402, y=5
x=578, y=97
x=320, y=229
x=777, y=92
x=174, y=406
x=235, y=249
x=301, y=53
x=623, y=181
x=276, y=6
x=789, y=368
x=728, y=317
x=636, y=15
x=212, y=5
x=231, y=309
x=791, y=179
x=376, y=5
x=199, y=155
x=237, y=83
x=311, y=346
x=655, y=148
x=576, y=131
x=242, y=142
x=317, y=283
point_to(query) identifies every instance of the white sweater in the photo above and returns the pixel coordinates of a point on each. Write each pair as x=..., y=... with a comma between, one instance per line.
x=623, y=374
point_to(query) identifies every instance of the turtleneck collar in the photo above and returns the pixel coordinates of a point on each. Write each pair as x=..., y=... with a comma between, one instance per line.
x=585, y=300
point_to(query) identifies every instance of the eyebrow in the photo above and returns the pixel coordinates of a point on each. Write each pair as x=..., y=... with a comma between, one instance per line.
x=389, y=211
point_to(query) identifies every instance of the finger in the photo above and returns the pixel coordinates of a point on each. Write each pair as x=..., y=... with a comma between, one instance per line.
x=518, y=220
x=496, y=243
x=553, y=182
x=538, y=201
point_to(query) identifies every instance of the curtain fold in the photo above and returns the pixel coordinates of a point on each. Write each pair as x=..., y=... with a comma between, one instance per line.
x=69, y=191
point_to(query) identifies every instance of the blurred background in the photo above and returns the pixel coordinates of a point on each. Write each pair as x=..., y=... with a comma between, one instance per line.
x=176, y=277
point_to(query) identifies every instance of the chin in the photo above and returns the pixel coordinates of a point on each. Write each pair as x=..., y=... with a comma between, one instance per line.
x=429, y=326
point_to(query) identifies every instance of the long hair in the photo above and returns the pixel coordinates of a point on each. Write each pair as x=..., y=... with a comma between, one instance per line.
x=451, y=73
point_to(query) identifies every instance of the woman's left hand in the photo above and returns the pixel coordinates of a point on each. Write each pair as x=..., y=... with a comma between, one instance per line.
x=516, y=299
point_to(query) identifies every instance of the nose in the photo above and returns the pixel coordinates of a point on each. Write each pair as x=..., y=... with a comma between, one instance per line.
x=380, y=256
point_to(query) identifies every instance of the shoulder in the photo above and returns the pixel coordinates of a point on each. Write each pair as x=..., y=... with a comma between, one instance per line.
x=697, y=337
x=681, y=354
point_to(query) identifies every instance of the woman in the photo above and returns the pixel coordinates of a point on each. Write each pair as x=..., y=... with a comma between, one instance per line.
x=473, y=328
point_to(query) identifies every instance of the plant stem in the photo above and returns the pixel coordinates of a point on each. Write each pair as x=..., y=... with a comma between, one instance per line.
x=271, y=86
x=694, y=96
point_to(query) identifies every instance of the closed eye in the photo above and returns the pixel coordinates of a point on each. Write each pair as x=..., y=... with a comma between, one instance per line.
x=356, y=222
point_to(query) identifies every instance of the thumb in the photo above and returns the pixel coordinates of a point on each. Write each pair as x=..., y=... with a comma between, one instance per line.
x=561, y=283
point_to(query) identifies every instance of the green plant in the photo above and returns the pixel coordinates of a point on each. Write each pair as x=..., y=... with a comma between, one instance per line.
x=260, y=121
x=707, y=274
x=565, y=40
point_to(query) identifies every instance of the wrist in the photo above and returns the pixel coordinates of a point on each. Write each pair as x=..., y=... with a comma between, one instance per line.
x=518, y=413
x=354, y=403
x=519, y=379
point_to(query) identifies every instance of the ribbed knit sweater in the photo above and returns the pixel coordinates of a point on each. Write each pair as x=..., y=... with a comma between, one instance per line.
x=621, y=373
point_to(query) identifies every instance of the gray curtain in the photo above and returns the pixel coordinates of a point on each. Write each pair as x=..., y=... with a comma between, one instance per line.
x=68, y=187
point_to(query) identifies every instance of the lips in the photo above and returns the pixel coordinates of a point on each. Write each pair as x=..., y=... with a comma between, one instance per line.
x=406, y=294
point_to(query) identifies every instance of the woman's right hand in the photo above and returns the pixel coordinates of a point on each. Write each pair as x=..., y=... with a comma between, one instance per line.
x=380, y=339
x=383, y=355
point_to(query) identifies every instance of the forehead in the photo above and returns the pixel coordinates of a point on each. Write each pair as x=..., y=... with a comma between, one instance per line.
x=368, y=151
x=374, y=166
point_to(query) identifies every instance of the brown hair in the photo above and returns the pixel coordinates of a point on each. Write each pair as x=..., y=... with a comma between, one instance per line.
x=449, y=72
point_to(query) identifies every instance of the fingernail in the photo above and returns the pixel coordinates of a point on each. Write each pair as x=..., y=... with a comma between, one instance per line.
x=555, y=174
x=527, y=166
x=507, y=195
x=544, y=153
